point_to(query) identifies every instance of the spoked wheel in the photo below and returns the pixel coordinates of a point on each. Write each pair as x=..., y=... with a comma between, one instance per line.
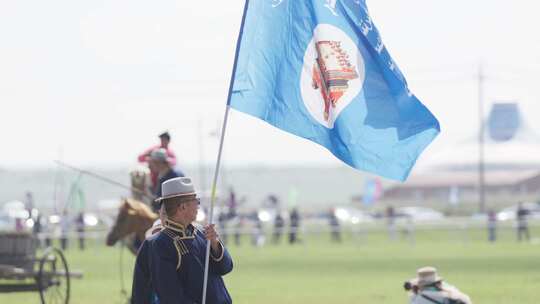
x=53, y=277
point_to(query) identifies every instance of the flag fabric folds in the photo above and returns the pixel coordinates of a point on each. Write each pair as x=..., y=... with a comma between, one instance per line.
x=318, y=69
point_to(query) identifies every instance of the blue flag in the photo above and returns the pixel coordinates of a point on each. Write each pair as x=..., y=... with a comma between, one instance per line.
x=372, y=192
x=318, y=69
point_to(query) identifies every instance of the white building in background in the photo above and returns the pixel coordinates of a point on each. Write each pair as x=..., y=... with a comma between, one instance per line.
x=511, y=161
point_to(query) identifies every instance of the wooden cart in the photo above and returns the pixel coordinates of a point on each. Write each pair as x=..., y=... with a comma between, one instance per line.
x=22, y=270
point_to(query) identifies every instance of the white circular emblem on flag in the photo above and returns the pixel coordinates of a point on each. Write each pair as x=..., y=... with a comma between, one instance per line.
x=332, y=75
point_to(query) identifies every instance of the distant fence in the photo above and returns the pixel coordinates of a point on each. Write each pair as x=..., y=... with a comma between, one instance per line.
x=463, y=228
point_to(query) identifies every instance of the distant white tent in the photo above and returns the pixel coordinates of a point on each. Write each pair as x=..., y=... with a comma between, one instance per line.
x=508, y=144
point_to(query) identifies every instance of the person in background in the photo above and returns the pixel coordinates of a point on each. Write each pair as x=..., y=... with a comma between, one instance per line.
x=222, y=224
x=429, y=288
x=232, y=204
x=295, y=226
x=64, y=230
x=79, y=225
x=522, y=224
x=391, y=222
x=47, y=231
x=29, y=203
x=492, y=226
x=238, y=229
x=334, y=226
x=19, y=224
x=146, y=156
x=409, y=230
x=38, y=228
x=165, y=171
x=257, y=236
x=279, y=223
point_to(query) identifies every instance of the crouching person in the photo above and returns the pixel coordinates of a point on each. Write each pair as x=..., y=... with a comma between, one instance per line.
x=170, y=264
x=429, y=288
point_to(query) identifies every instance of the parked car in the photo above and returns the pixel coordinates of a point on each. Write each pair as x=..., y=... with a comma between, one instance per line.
x=352, y=215
x=419, y=214
x=509, y=213
x=11, y=213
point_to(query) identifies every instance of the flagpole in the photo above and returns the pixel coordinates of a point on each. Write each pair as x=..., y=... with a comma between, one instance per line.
x=218, y=162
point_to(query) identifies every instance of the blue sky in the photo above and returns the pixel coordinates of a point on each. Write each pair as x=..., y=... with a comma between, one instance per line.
x=94, y=82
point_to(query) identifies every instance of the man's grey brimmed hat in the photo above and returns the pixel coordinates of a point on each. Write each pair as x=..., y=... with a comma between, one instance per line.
x=175, y=187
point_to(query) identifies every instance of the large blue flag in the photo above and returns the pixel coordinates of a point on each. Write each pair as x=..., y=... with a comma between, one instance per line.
x=319, y=69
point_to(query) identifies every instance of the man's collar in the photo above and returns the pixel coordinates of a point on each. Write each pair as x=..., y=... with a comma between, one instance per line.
x=178, y=228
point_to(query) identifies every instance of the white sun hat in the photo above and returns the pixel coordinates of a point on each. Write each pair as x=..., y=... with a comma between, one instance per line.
x=427, y=276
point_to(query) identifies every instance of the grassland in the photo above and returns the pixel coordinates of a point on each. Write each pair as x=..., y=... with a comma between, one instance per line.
x=364, y=268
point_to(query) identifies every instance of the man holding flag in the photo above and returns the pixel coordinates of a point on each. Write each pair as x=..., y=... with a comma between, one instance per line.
x=169, y=265
x=319, y=69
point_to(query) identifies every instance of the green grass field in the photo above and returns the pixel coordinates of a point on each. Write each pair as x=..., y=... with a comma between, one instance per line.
x=365, y=268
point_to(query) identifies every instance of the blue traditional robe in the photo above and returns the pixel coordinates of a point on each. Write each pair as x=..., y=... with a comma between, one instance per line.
x=170, y=269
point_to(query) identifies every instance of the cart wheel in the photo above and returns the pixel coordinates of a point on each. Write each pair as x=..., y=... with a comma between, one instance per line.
x=53, y=277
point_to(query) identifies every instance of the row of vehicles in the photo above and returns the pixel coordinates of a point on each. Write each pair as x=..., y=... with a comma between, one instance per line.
x=424, y=214
x=14, y=211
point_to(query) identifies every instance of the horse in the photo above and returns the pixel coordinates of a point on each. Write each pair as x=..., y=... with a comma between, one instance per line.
x=140, y=183
x=134, y=219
